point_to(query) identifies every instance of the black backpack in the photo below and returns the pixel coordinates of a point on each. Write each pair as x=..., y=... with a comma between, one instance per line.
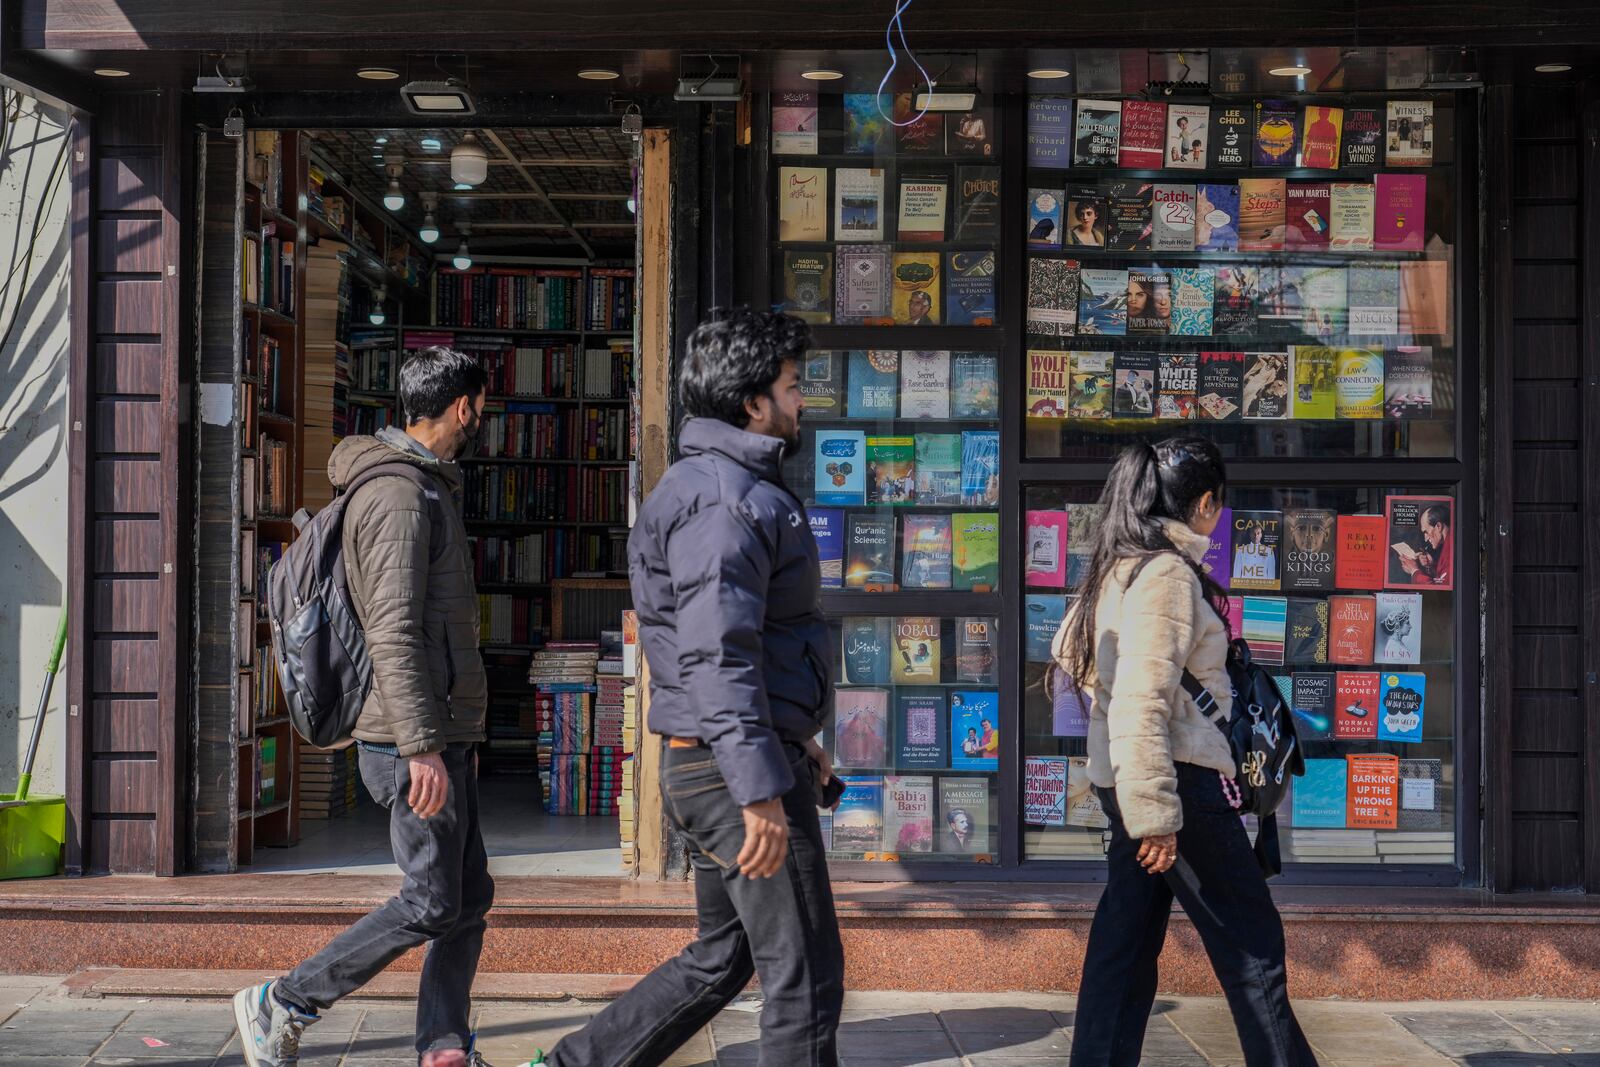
x=317, y=643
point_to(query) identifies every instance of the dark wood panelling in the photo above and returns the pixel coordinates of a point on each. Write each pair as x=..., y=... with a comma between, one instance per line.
x=130, y=183
x=1547, y=784
x=127, y=485
x=127, y=665
x=127, y=426
x=1546, y=539
x=82, y=381
x=128, y=605
x=125, y=786
x=1545, y=290
x=122, y=846
x=128, y=305
x=1550, y=851
x=1589, y=466
x=1547, y=350
x=127, y=546
x=128, y=368
x=125, y=725
x=1546, y=172
x=1545, y=231
x=1545, y=412
x=128, y=246
x=134, y=120
x=1547, y=723
x=1549, y=661
x=1548, y=599
x=1546, y=113
x=1546, y=476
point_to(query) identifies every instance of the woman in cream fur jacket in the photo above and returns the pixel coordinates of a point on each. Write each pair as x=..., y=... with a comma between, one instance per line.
x=1146, y=612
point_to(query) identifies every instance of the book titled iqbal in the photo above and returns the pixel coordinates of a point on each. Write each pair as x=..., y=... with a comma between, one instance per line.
x=1397, y=635
x=1408, y=134
x=1052, y=296
x=858, y=820
x=916, y=656
x=822, y=383
x=1350, y=216
x=974, y=385
x=1098, y=133
x=1149, y=300
x=1194, y=292
x=802, y=204
x=1319, y=141
x=1399, y=212
x=1277, y=134
x=1049, y=132
x=860, y=727
x=1356, y=706
x=1177, y=384
x=1314, y=694
x=1130, y=214
x=1143, y=129
x=938, y=468
x=1352, y=626
x=980, y=468
x=1265, y=626
x=1306, y=639
x=1173, y=211
x=1238, y=300
x=1257, y=539
x=1042, y=614
x=1315, y=382
x=916, y=288
x=925, y=384
x=1363, y=138
x=827, y=528
x=892, y=470
x=1263, y=214
x=1218, y=560
x=1188, y=130
x=841, y=468
x=1362, y=550
x=869, y=566
x=1045, y=561
x=1134, y=385
x=1231, y=138
x=864, y=125
x=907, y=813
x=975, y=551
x=1044, y=218
x=808, y=286
x=1221, y=385
x=923, y=200
x=1044, y=791
x=862, y=294
x=1103, y=301
x=978, y=204
x=866, y=642
x=1308, y=210
x=977, y=651
x=975, y=730
x=1358, y=384
x=794, y=124
x=964, y=816
x=1089, y=389
x=921, y=738
x=1266, y=392
x=969, y=289
x=1421, y=540
x=1216, y=224
x=1408, y=383
x=874, y=384
x=858, y=204
x=925, y=552
x=1372, y=799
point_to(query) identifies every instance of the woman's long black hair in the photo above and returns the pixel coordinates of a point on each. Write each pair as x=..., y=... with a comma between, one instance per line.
x=1148, y=483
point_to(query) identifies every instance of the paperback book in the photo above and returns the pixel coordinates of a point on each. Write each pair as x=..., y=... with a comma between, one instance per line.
x=874, y=384
x=1044, y=791
x=1358, y=384
x=1324, y=301
x=1194, y=293
x=869, y=566
x=1086, y=217
x=1408, y=134
x=921, y=737
x=1173, y=208
x=1218, y=560
x=1083, y=803
x=1050, y=132
x=1408, y=383
x=1042, y=615
x=923, y=204
x=1090, y=387
x=977, y=653
x=858, y=204
x=1257, y=537
x=975, y=730
x=938, y=467
x=1399, y=212
x=980, y=468
x=1374, y=293
x=1357, y=706
x=969, y=289
x=1362, y=141
x=891, y=470
x=1277, y=134
x=1309, y=208
x=916, y=288
x=1045, y=561
x=1177, y=385
x=1266, y=392
x=1216, y=223
x=1421, y=795
x=916, y=659
x=1232, y=138
x=974, y=385
x=971, y=134
x=1398, y=632
x=1319, y=795
x=1069, y=709
x=1350, y=216
x=1142, y=134
x=925, y=384
x=858, y=820
x=1308, y=564
x=1188, y=134
x=1221, y=386
x=1238, y=300
x=978, y=204
x=1313, y=704
x=1134, y=384
x=860, y=728
x=1352, y=622
x=1149, y=300
x=1098, y=133
x=866, y=642
x=964, y=816
x=1373, y=798
x=827, y=528
x=794, y=124
x=802, y=204
x=1307, y=631
x=862, y=290
x=1052, y=296
x=1315, y=382
x=1421, y=540
x=822, y=383
x=841, y=468
x=1263, y=214
x=1362, y=551
x=1047, y=396
x=925, y=553
x=808, y=286
x=917, y=131
x=1130, y=214
x=1103, y=301
x=1319, y=141
x=864, y=125
x=1082, y=522
x=975, y=548
x=1265, y=626
x=907, y=814
x=1044, y=218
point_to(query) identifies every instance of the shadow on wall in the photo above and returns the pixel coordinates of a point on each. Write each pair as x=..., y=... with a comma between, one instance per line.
x=35, y=197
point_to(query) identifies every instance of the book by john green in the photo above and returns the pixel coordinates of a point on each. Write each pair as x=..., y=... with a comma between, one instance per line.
x=1312, y=547
x=1408, y=383
x=1356, y=707
x=1315, y=380
x=975, y=550
x=964, y=816
x=1266, y=391
x=858, y=204
x=974, y=385
x=1221, y=385
x=1173, y=213
x=860, y=727
x=1042, y=615
x=858, y=820
x=969, y=289
x=975, y=730
x=1188, y=131
x=1358, y=384
x=1103, y=301
x=1319, y=141
x=978, y=204
x=977, y=657
x=925, y=384
x=874, y=384
x=1194, y=293
x=980, y=468
x=862, y=286
x=808, y=285
x=1044, y=791
x=827, y=528
x=1045, y=558
x=917, y=658
x=907, y=813
x=802, y=204
x=1257, y=539
x=1140, y=136
x=1319, y=796
x=1052, y=296
x=864, y=125
x=1263, y=214
x=1098, y=133
x=1049, y=132
x=925, y=552
x=1090, y=385
x=1397, y=635
x=794, y=124
x=1216, y=222
x=1312, y=703
x=922, y=740
x=916, y=288
x=1238, y=300
x=865, y=642
x=1277, y=134
x=869, y=563
x=1307, y=631
x=1266, y=628
x=1044, y=218
x=822, y=383
x=938, y=458
x=1177, y=385
x=1362, y=143
x=1134, y=385
x=892, y=470
x=1401, y=705
x=1218, y=560
x=1149, y=300
x=841, y=471
x=1231, y=138
x=1130, y=214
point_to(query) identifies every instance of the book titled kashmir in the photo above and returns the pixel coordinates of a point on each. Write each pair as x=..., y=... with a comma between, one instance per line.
x=915, y=288
x=891, y=470
x=1356, y=705
x=925, y=560
x=1103, y=301
x=963, y=823
x=1308, y=209
x=822, y=383
x=873, y=384
x=808, y=286
x=1134, y=385
x=1277, y=134
x=841, y=468
x=1188, y=131
x=1306, y=639
x=980, y=468
x=1358, y=384
x=1421, y=539
x=1052, y=296
x=1362, y=143
x=865, y=643
x=1044, y=563
x=1350, y=216
x=860, y=727
x=1315, y=382
x=916, y=656
x=975, y=730
x=938, y=468
x=1149, y=300
x=1408, y=134
x=1267, y=390
x=1177, y=384
x=1408, y=383
x=974, y=385
x=1263, y=214
x=1049, y=132
x=794, y=124
x=1090, y=385
x=1313, y=695
x=977, y=204
x=907, y=813
x=1257, y=540
x=977, y=650
x=1361, y=553
x=1399, y=212
x=802, y=204
x=827, y=528
x=921, y=735
x=1238, y=300
x=1141, y=135
x=861, y=285
x=858, y=204
x=1173, y=211
x=1232, y=138
x=1308, y=562
x=923, y=202
x=1193, y=296
x=975, y=551
x=1216, y=222
x=858, y=820
x=969, y=289
x=1098, y=133
x=869, y=564
x=864, y=125
x=925, y=384
x=1045, y=218
x=1221, y=386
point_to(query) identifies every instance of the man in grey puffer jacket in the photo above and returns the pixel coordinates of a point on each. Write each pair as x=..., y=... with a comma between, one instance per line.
x=409, y=571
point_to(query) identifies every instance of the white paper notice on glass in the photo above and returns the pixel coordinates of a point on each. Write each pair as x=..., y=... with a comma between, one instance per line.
x=1416, y=794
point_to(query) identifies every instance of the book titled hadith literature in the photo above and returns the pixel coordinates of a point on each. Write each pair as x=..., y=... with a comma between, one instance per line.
x=1142, y=132
x=921, y=734
x=1307, y=637
x=916, y=657
x=1308, y=562
x=925, y=384
x=1356, y=706
x=925, y=552
x=1221, y=385
x=1173, y=215
x=1352, y=625
x=802, y=204
x=1257, y=539
x=874, y=384
x=969, y=289
x=1052, y=296
x=1134, y=385
x=1263, y=214
x=907, y=813
x=923, y=201
x=975, y=551
x=1194, y=291
x=977, y=204
x=808, y=285
x=1188, y=131
x=1177, y=383
x=1421, y=540
x=974, y=385
x=1360, y=562
x=891, y=470
x=1089, y=389
x=862, y=292
x=977, y=654
x=1358, y=384
x=1103, y=301
x=1319, y=141
x=858, y=204
x=869, y=564
x=916, y=288
x=1047, y=384
x=1098, y=133
x=1149, y=300
x=866, y=642
x=1277, y=134
x=1044, y=218
x=963, y=822
x=1408, y=134
x=1232, y=137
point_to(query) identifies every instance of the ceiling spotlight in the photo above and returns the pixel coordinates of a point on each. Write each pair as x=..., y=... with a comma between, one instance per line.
x=378, y=74
x=821, y=74
x=1542, y=68
x=1291, y=71
x=463, y=256
x=1049, y=73
x=598, y=74
x=376, y=315
x=430, y=225
x=469, y=163
x=380, y=140
x=448, y=97
x=110, y=72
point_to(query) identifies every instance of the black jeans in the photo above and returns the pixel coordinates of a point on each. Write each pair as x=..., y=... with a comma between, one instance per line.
x=782, y=928
x=1224, y=893
x=446, y=894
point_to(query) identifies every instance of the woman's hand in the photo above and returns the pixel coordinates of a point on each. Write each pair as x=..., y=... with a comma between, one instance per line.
x=1159, y=853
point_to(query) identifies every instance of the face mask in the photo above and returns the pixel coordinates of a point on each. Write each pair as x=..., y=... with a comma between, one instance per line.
x=468, y=444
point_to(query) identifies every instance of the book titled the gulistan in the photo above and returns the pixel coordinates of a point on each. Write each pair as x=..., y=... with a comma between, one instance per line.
x=1052, y=296
x=1098, y=133
x=862, y=290
x=822, y=383
x=969, y=288
x=1312, y=546
x=808, y=285
x=1231, y=137
x=923, y=201
x=802, y=204
x=977, y=204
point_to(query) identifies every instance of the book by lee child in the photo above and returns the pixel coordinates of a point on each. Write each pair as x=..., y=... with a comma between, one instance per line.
x=1232, y=137
x=1350, y=216
x=980, y=468
x=866, y=642
x=864, y=125
x=802, y=204
x=1408, y=134
x=923, y=203
x=1044, y=563
x=861, y=285
x=1319, y=796
x=1314, y=694
x=1372, y=799
x=1308, y=561
x=1194, y=293
x=874, y=384
x=1356, y=706
x=1216, y=224
x=891, y=470
x=907, y=813
x=1044, y=218
x=977, y=654
x=827, y=528
x=1308, y=209
x=1047, y=396
x=858, y=820
x=925, y=384
x=1315, y=382
x=975, y=551
x=1052, y=296
x=1263, y=214
x=1399, y=212
x=938, y=468
x=1408, y=383
x=1086, y=219
x=870, y=563
x=794, y=124
x=1421, y=540
x=1306, y=637
x=1218, y=560
x=1362, y=143
x=1398, y=630
x=1177, y=385
x=1149, y=300
x=974, y=385
x=822, y=383
x=1277, y=134
x=1266, y=392
x=858, y=204
x=1221, y=385
x=975, y=730
x=1265, y=626
x=917, y=131
x=1173, y=210
x=977, y=204
x=1134, y=385
x=1238, y=289
x=1374, y=294
x=1358, y=384
x=808, y=285
x=1130, y=214
x=917, y=656
x=841, y=468
x=1044, y=791
x=1103, y=301
x=1090, y=387
x=1042, y=614
x=860, y=727
x=1319, y=141
x=925, y=552
x=1050, y=132
x=1142, y=133
x=916, y=288
x=1257, y=538
x=1362, y=548
x=963, y=824
x=1098, y=133
x=1188, y=131
x=969, y=289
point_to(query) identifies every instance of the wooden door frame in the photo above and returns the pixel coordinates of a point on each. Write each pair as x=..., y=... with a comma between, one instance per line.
x=80, y=492
x=1589, y=483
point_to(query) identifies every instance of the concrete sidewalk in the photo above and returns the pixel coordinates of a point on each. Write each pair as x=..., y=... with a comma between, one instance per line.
x=42, y=1026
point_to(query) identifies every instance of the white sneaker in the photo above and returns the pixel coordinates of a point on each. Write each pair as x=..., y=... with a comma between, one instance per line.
x=269, y=1030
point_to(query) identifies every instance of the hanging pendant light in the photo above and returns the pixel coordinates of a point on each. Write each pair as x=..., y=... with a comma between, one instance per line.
x=376, y=314
x=463, y=256
x=430, y=222
x=469, y=163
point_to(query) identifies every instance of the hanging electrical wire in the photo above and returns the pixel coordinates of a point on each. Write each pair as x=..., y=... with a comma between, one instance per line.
x=897, y=26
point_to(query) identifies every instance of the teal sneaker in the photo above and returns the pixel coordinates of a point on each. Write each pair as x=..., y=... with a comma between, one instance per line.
x=269, y=1030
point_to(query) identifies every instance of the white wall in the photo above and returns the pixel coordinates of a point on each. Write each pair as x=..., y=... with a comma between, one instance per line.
x=35, y=196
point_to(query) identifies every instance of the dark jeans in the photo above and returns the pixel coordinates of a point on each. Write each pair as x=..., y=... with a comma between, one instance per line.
x=445, y=896
x=782, y=928
x=1221, y=887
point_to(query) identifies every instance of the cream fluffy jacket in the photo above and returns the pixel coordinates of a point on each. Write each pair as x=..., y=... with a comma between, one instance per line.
x=1142, y=722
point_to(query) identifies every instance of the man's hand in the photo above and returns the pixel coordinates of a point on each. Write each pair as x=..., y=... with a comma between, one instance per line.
x=766, y=839
x=819, y=756
x=430, y=784
x=1159, y=853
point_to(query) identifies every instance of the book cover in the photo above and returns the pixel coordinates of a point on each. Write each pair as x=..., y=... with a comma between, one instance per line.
x=1083, y=803
x=907, y=813
x=1045, y=561
x=1050, y=132
x=980, y=468
x=1408, y=134
x=1350, y=216
x=1313, y=546
x=917, y=657
x=864, y=125
x=1089, y=388
x=794, y=124
x=977, y=651
x=1149, y=300
x=1401, y=705
x=1086, y=217
x=1083, y=521
x=925, y=384
x=892, y=470
x=866, y=643
x=916, y=288
x=1421, y=540
x=1130, y=214
x=822, y=383
x=975, y=547
x=862, y=294
x=974, y=385
x=1374, y=295
x=841, y=468
x=858, y=820
x=1324, y=301
x=1218, y=560
x=975, y=730
x=1173, y=209
x=925, y=553
x=1277, y=134
x=827, y=528
x=1408, y=383
x=870, y=563
x=1362, y=143
x=802, y=204
x=1221, y=385
x=1099, y=131
x=1103, y=301
x=1314, y=695
x=1352, y=622
x=1425, y=298
x=978, y=204
x=858, y=204
x=917, y=133
x=1265, y=391
x=1319, y=796
x=1177, y=385
x=1265, y=625
x=1315, y=382
x=1045, y=218
x=1141, y=136
x=1421, y=795
x=1232, y=137
x=1188, y=131
x=971, y=134
x=1320, y=136
x=1362, y=551
x=1238, y=301
x=874, y=384
x=1399, y=212
x=1307, y=631
x=1309, y=209
x=1257, y=537
x=1356, y=706
x=938, y=467
x=964, y=816
x=921, y=735
x=808, y=286
x=1216, y=222
x=860, y=728
x=1263, y=214
x=1372, y=800
x=1052, y=296
x=1069, y=709
x=923, y=203
x=1044, y=791
x=1358, y=384
x=1042, y=614
x=1134, y=385
x=1194, y=293
x=969, y=289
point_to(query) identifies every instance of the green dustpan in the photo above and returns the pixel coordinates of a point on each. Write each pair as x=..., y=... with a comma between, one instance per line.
x=33, y=828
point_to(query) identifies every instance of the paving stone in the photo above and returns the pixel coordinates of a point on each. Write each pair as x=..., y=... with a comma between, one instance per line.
x=389, y=1021
x=82, y=1044
x=1571, y=1030
x=872, y=1019
x=130, y=1043
x=44, y=1061
x=901, y=1061
x=1479, y=1035
x=1020, y=1045
x=55, y=1018
x=880, y=1044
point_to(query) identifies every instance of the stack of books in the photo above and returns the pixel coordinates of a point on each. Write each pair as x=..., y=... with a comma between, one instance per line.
x=327, y=365
x=607, y=750
x=1410, y=846
x=627, y=815
x=327, y=782
x=1333, y=846
x=563, y=676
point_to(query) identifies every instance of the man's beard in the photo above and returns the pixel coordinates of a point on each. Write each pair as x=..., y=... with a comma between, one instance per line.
x=467, y=443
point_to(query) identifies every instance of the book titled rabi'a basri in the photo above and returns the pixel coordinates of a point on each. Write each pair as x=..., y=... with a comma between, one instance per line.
x=907, y=813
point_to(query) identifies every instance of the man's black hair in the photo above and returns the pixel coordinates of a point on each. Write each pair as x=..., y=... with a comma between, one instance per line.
x=1438, y=514
x=435, y=378
x=735, y=357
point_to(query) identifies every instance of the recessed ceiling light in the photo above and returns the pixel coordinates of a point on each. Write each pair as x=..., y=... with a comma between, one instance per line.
x=430, y=144
x=821, y=74
x=378, y=74
x=380, y=140
x=598, y=74
x=1048, y=73
x=1545, y=68
x=110, y=72
x=1293, y=71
